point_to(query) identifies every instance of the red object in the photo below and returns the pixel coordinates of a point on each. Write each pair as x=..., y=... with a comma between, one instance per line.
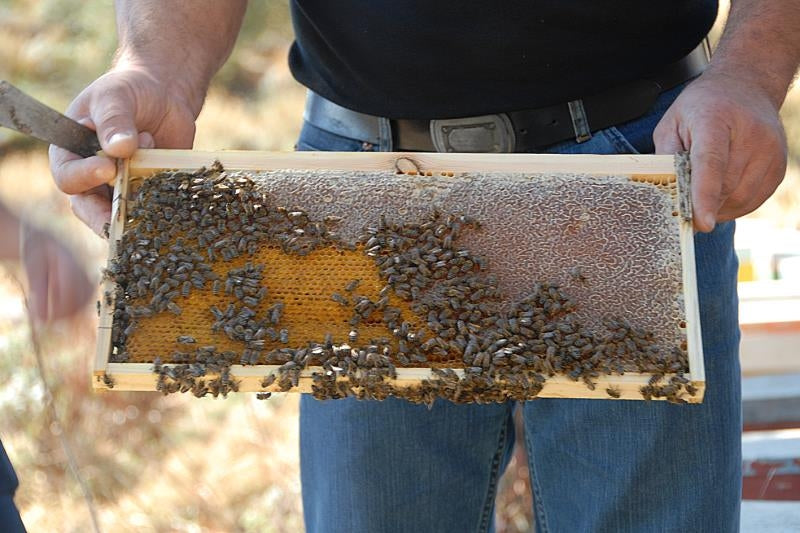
x=771, y=479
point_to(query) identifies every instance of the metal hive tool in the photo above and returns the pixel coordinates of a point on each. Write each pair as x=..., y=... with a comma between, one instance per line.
x=469, y=277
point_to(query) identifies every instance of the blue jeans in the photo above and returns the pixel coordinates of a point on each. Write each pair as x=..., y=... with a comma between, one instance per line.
x=596, y=466
x=10, y=521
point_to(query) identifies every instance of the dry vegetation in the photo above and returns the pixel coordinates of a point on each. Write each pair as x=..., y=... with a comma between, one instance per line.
x=174, y=463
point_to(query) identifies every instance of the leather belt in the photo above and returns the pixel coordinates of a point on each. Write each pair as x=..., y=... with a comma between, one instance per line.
x=516, y=131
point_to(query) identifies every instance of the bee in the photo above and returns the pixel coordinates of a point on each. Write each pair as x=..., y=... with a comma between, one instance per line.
x=352, y=285
x=175, y=308
x=655, y=378
x=199, y=389
x=679, y=379
x=275, y=312
x=108, y=381
x=186, y=339
x=613, y=391
x=648, y=391
x=339, y=299
x=257, y=344
x=577, y=274
x=251, y=301
x=283, y=336
x=353, y=336
x=263, y=395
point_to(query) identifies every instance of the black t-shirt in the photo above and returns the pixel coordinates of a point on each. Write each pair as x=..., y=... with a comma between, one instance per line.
x=442, y=59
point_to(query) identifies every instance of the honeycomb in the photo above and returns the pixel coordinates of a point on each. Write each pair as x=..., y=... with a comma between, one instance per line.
x=523, y=274
x=621, y=231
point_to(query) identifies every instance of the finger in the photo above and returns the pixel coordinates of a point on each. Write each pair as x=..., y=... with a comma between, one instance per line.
x=70, y=286
x=759, y=180
x=666, y=137
x=92, y=208
x=146, y=140
x=35, y=262
x=74, y=175
x=38, y=300
x=112, y=111
x=734, y=185
x=709, y=154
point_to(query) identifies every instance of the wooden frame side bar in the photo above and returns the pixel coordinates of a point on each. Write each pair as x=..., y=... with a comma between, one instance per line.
x=118, y=216
x=694, y=340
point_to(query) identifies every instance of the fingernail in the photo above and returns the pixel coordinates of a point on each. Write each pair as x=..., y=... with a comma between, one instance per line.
x=119, y=138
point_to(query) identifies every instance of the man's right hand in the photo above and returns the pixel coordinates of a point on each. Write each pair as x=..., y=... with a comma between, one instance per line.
x=129, y=108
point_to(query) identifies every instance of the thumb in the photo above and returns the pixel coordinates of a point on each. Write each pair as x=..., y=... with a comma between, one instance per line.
x=112, y=111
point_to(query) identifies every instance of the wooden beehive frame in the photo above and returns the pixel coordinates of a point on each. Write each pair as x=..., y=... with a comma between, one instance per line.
x=140, y=377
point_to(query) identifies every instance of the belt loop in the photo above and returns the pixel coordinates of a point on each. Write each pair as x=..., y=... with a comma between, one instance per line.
x=580, y=124
x=385, y=134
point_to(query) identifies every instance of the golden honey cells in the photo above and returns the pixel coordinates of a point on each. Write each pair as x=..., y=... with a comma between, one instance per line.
x=361, y=273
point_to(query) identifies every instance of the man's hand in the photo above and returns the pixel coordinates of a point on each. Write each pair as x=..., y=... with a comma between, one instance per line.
x=736, y=142
x=168, y=53
x=728, y=117
x=129, y=108
x=58, y=285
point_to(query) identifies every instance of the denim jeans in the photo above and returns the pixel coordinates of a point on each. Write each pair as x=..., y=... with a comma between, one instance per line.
x=10, y=521
x=595, y=465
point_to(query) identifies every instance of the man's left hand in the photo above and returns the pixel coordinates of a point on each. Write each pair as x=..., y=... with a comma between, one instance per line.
x=736, y=141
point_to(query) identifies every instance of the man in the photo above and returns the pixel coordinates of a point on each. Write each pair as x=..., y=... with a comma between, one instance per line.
x=603, y=72
x=58, y=288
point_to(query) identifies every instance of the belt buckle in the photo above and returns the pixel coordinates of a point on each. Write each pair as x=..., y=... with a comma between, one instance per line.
x=485, y=134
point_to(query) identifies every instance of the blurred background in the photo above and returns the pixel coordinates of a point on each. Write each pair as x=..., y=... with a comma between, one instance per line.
x=180, y=464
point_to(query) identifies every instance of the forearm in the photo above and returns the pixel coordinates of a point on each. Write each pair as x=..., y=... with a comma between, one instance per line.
x=761, y=44
x=183, y=42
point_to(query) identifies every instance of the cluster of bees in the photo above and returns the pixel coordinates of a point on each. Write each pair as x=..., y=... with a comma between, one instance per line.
x=184, y=222
x=505, y=353
x=191, y=376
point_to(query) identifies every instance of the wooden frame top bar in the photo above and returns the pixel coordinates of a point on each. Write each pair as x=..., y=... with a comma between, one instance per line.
x=153, y=160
